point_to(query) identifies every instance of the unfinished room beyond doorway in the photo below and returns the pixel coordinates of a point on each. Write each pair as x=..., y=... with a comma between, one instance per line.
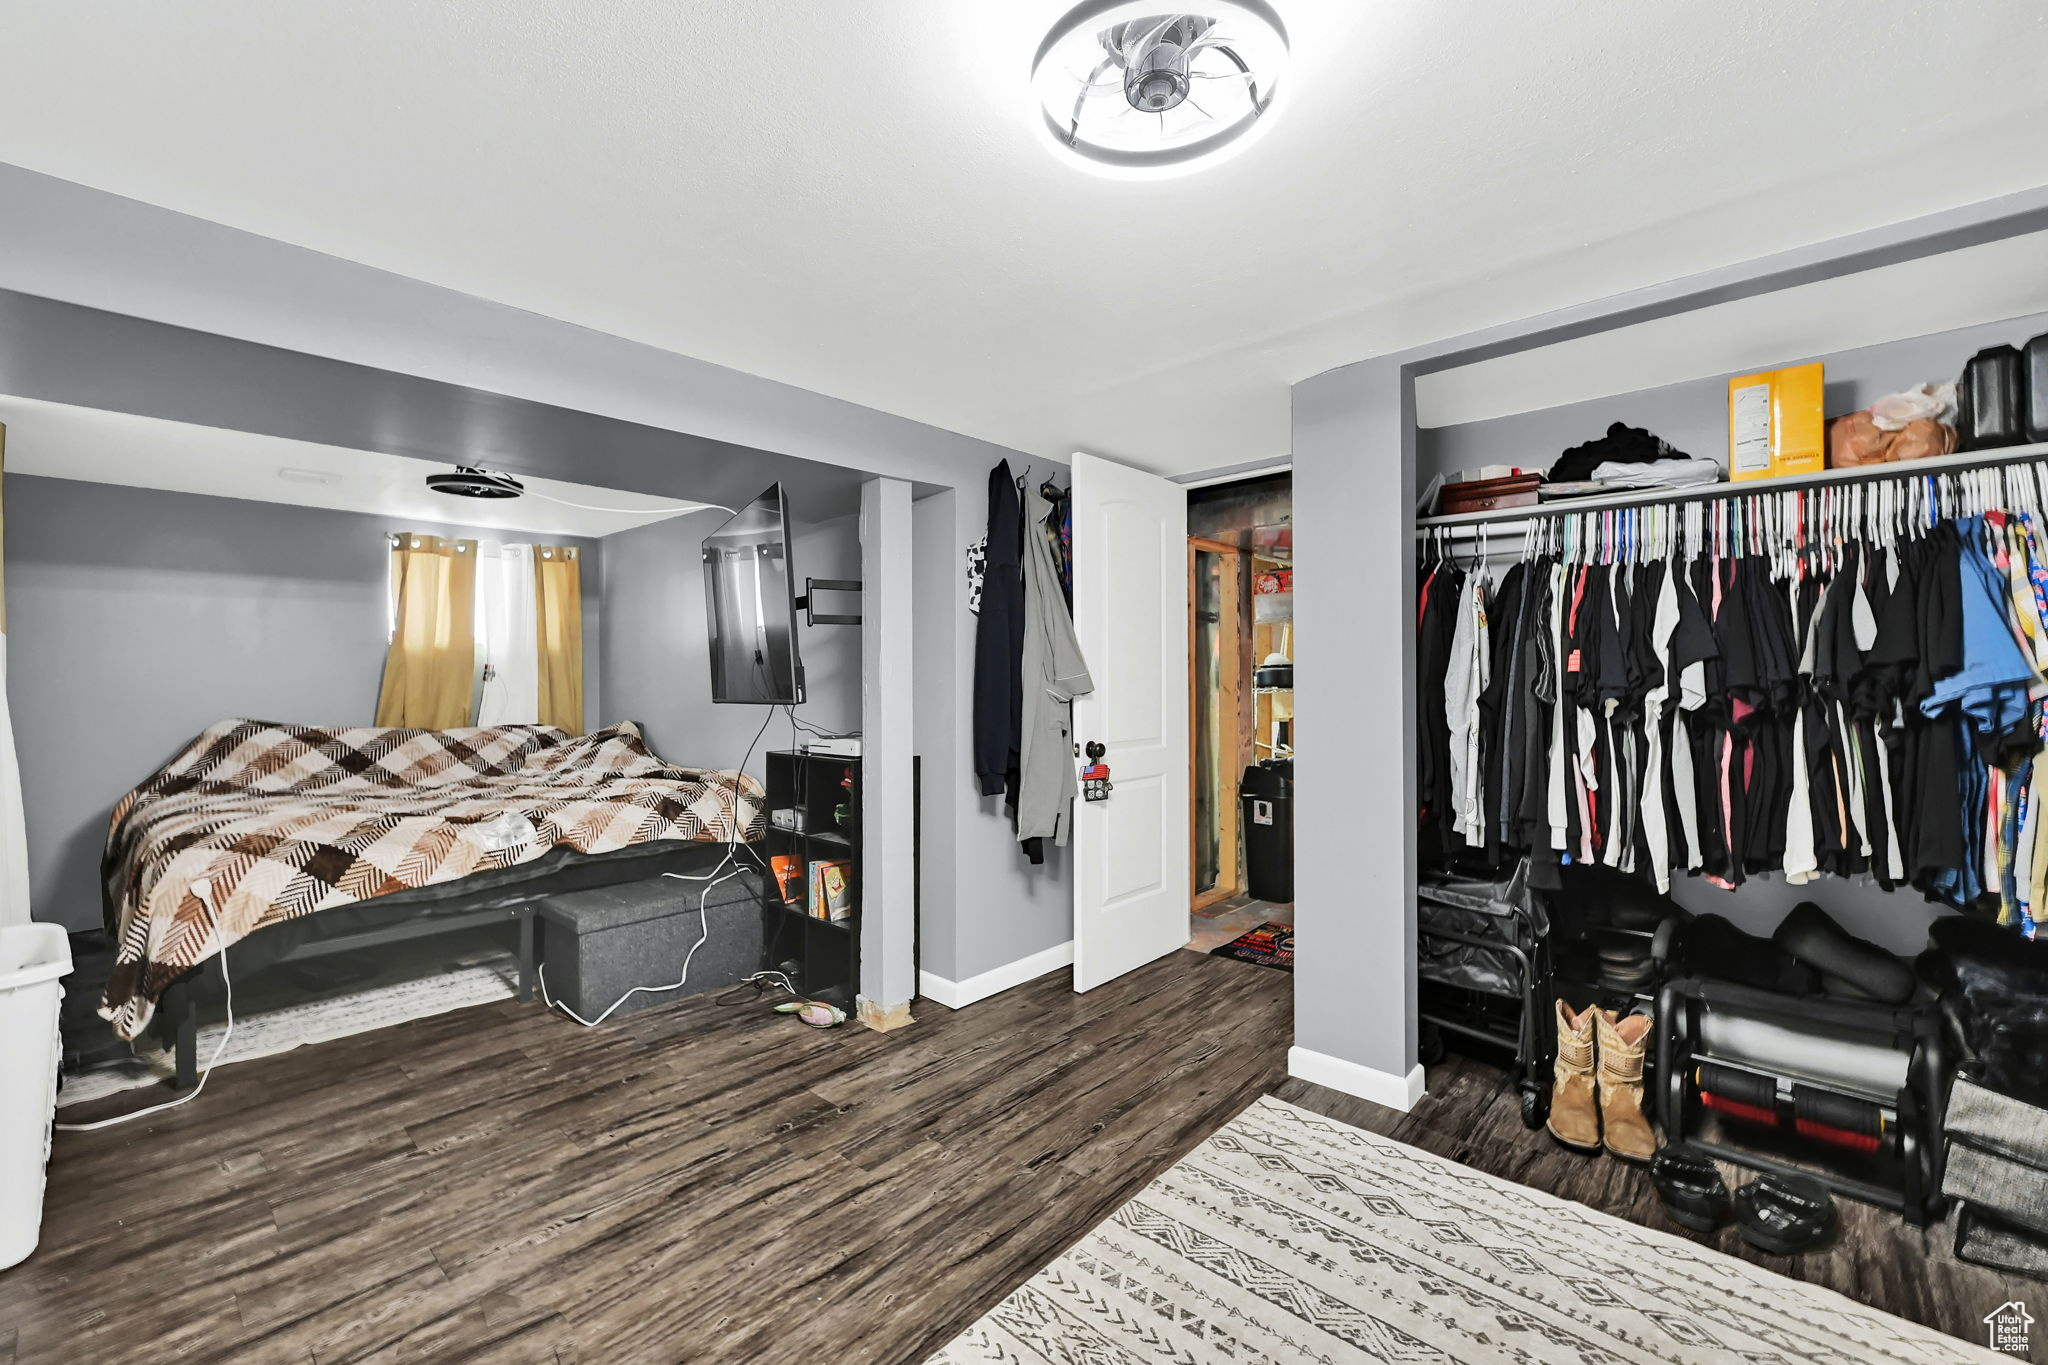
x=1241, y=718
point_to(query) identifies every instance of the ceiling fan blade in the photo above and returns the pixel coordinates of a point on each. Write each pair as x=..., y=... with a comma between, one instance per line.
x=1080, y=99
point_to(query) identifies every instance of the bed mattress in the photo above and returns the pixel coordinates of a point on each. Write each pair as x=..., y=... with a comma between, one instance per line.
x=257, y=824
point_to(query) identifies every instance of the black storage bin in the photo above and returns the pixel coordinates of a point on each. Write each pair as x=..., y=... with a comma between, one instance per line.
x=1266, y=800
x=1988, y=399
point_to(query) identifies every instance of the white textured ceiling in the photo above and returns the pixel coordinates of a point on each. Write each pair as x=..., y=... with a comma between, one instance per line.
x=853, y=198
x=60, y=441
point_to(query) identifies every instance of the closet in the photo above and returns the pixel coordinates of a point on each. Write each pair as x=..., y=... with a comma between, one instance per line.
x=1823, y=678
x=1832, y=678
x=1733, y=650
x=1803, y=682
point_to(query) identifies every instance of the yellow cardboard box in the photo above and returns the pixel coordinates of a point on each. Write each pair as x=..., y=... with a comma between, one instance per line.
x=1775, y=424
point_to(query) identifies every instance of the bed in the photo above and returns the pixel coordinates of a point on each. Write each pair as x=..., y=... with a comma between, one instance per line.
x=286, y=840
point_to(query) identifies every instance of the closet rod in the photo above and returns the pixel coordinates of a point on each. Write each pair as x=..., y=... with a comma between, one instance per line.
x=1473, y=522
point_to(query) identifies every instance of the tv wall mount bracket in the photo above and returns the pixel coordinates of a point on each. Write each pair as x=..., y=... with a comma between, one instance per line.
x=814, y=586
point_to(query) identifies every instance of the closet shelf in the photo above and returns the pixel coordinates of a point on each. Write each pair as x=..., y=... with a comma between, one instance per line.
x=1644, y=497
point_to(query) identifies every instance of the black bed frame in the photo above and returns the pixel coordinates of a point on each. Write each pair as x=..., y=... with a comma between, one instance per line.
x=177, y=1013
x=505, y=896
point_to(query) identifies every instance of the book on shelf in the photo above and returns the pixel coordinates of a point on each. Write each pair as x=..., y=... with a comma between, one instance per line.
x=832, y=890
x=788, y=878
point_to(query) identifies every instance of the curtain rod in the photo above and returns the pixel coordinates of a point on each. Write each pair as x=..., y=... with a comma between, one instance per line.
x=1471, y=523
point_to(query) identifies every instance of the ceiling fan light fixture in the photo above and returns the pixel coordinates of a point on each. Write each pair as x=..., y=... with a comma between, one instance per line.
x=1130, y=89
x=467, y=481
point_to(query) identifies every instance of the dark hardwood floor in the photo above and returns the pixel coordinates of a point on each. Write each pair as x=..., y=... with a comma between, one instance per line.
x=709, y=1183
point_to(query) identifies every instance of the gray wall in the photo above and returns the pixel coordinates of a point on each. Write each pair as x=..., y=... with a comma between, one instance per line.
x=888, y=929
x=981, y=905
x=137, y=618
x=938, y=594
x=1354, y=685
x=984, y=906
x=656, y=664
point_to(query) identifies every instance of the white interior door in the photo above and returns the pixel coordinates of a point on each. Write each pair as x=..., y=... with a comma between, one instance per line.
x=1131, y=870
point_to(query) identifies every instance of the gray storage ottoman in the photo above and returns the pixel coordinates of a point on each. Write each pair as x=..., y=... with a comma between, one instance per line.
x=598, y=944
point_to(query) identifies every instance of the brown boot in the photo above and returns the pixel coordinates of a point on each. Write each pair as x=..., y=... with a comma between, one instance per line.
x=1627, y=1132
x=1574, y=1117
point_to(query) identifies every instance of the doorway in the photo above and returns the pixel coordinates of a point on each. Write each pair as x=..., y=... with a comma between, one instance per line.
x=1241, y=719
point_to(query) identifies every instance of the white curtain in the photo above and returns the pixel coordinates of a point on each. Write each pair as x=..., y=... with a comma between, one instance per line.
x=13, y=834
x=509, y=691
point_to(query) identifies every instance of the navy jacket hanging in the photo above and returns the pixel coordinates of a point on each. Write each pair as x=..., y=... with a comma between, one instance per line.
x=999, y=642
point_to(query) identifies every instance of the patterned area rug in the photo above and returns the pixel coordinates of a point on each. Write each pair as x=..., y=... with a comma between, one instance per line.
x=265, y=1033
x=1289, y=1237
x=1269, y=945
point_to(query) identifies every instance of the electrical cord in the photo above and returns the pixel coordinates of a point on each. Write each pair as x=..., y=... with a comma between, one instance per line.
x=796, y=723
x=204, y=890
x=731, y=859
x=748, y=990
x=703, y=936
x=630, y=511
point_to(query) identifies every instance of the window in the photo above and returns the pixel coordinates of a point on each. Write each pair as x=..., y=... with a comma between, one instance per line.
x=483, y=633
x=507, y=651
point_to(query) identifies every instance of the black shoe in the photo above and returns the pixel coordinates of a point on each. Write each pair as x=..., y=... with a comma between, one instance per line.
x=1691, y=1187
x=1785, y=1214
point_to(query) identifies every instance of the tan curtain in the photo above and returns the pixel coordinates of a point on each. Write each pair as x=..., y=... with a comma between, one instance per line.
x=429, y=673
x=558, y=600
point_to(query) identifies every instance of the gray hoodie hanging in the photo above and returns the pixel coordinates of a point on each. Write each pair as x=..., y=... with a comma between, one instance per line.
x=1054, y=674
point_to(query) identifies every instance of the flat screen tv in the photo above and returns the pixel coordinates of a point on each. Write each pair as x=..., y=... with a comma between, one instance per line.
x=751, y=608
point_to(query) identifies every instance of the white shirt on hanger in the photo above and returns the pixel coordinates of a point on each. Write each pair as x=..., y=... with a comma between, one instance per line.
x=1802, y=863
x=1556, y=805
x=1465, y=678
x=1656, y=837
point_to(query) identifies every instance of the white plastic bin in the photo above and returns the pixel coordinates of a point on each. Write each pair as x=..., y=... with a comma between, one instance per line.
x=33, y=959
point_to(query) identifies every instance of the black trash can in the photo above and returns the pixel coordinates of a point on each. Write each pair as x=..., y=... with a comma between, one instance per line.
x=1266, y=804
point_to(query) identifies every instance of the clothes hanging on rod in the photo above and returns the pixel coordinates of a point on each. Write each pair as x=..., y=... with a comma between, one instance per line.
x=1054, y=673
x=1058, y=529
x=1442, y=591
x=1027, y=665
x=1835, y=681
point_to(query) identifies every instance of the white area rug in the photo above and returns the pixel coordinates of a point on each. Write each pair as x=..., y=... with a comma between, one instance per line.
x=269, y=1032
x=1288, y=1237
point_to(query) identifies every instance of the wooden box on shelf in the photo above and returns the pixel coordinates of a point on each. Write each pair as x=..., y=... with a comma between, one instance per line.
x=1487, y=495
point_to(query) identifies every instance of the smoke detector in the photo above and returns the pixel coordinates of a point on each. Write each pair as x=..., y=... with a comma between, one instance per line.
x=1135, y=91
x=470, y=482
x=312, y=476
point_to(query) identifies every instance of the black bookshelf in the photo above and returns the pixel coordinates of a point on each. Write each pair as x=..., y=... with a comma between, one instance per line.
x=814, y=818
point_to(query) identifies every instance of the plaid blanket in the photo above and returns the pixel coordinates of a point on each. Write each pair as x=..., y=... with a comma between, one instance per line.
x=257, y=823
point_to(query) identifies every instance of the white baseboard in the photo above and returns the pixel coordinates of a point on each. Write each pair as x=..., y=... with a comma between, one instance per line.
x=1381, y=1087
x=959, y=994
